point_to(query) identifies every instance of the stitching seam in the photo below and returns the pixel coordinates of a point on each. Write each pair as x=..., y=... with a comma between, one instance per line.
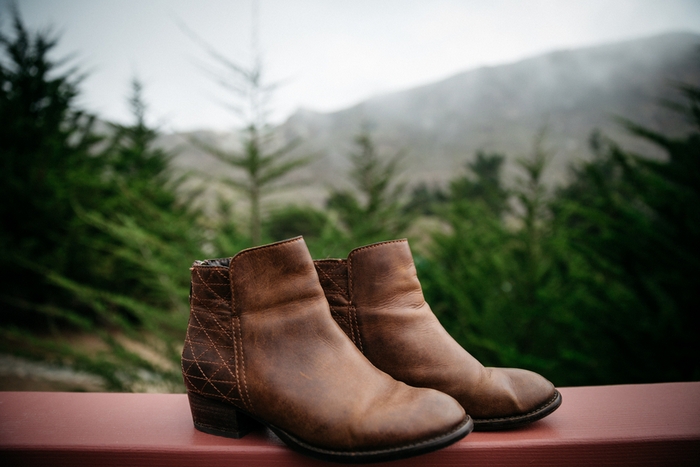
x=327, y=276
x=245, y=383
x=263, y=247
x=357, y=326
x=375, y=245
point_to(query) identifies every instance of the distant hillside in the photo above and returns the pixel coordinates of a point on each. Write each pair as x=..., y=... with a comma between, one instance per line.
x=500, y=108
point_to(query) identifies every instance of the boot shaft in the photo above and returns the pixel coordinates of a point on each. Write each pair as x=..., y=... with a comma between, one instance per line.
x=249, y=297
x=379, y=280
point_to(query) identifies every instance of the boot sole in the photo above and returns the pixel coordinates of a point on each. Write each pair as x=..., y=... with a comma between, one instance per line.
x=222, y=419
x=506, y=423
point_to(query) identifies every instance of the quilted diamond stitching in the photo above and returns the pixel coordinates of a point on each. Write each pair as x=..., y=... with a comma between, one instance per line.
x=332, y=275
x=206, y=362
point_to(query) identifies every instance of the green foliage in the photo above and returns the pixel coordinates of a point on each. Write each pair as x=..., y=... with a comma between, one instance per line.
x=263, y=160
x=595, y=285
x=150, y=236
x=263, y=169
x=141, y=217
x=46, y=148
x=637, y=222
x=425, y=200
x=374, y=211
x=96, y=238
x=222, y=232
x=134, y=164
x=498, y=289
x=483, y=183
x=293, y=220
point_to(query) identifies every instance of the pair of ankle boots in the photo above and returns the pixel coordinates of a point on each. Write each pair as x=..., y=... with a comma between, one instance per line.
x=342, y=359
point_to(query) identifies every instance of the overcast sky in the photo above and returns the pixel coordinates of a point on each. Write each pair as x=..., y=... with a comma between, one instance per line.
x=330, y=54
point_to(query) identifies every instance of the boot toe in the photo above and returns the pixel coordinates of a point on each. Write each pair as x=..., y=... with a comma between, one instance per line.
x=414, y=416
x=531, y=390
x=389, y=431
x=517, y=397
x=436, y=414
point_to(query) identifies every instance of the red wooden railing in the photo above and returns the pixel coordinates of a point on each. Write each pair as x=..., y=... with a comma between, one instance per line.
x=653, y=424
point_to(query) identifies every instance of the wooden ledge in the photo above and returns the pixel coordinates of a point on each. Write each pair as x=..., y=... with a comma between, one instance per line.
x=653, y=424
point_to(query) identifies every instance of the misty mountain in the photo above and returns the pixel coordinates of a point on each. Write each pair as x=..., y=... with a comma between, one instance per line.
x=440, y=126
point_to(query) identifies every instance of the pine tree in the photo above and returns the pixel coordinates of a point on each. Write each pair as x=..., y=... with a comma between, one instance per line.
x=375, y=210
x=492, y=276
x=48, y=168
x=146, y=218
x=143, y=238
x=483, y=183
x=263, y=159
x=468, y=276
x=637, y=221
x=135, y=163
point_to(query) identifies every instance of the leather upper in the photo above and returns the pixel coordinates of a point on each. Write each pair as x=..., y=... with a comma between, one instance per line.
x=377, y=299
x=261, y=337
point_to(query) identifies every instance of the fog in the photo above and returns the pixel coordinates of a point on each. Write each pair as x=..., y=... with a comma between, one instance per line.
x=327, y=55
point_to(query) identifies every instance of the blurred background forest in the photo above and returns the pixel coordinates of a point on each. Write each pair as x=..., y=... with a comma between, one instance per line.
x=569, y=247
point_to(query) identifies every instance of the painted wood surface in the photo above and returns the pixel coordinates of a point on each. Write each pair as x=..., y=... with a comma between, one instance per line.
x=654, y=424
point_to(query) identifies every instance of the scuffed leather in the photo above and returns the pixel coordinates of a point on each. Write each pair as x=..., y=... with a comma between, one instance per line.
x=377, y=299
x=261, y=337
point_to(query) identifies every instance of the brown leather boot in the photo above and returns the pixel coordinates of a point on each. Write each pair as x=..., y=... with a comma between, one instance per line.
x=376, y=298
x=261, y=347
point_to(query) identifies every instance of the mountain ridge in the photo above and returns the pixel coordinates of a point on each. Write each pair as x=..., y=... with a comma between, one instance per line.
x=501, y=108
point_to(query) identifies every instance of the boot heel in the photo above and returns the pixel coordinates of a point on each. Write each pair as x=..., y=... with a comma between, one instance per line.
x=220, y=418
